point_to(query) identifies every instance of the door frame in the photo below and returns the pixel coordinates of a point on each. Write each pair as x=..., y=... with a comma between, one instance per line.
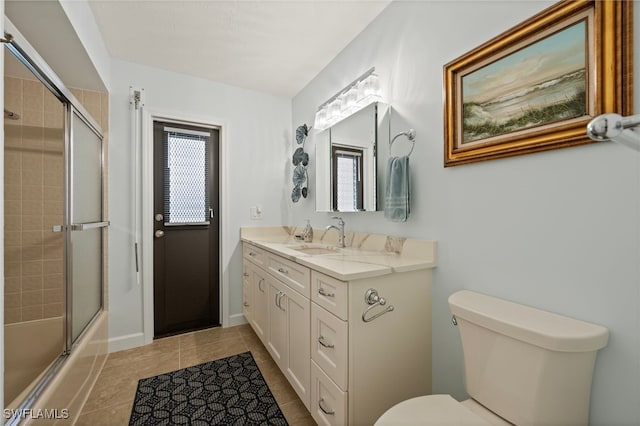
x=148, y=117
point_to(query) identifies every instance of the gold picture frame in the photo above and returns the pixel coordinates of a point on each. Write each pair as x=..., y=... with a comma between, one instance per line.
x=526, y=91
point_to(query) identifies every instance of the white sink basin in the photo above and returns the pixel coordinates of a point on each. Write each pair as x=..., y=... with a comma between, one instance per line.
x=315, y=249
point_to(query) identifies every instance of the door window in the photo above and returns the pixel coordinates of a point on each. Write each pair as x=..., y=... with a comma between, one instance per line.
x=186, y=177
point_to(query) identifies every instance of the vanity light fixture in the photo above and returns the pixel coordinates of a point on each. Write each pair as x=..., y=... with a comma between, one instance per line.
x=363, y=91
x=614, y=127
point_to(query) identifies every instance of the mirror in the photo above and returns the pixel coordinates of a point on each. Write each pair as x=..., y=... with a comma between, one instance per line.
x=350, y=161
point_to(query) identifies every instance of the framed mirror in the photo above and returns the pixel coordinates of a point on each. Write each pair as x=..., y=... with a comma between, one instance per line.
x=350, y=161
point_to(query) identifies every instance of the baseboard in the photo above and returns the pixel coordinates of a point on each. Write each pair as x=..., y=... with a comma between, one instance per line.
x=129, y=341
x=237, y=319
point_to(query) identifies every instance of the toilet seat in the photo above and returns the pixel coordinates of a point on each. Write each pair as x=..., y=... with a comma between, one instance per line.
x=431, y=410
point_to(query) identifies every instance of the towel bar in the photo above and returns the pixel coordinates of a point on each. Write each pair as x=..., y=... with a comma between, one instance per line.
x=410, y=134
x=615, y=128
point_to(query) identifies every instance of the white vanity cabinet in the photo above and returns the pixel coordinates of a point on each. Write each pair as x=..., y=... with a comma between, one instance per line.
x=349, y=357
x=280, y=313
x=361, y=368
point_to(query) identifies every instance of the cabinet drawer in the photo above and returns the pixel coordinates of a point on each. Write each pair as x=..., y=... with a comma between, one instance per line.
x=328, y=402
x=329, y=293
x=295, y=276
x=254, y=254
x=329, y=337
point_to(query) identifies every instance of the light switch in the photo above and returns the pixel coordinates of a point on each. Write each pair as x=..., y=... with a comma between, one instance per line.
x=256, y=212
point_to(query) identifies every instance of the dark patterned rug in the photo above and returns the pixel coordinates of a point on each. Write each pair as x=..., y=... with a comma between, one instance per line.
x=228, y=391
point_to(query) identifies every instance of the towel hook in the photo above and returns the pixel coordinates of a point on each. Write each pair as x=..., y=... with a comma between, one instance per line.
x=410, y=134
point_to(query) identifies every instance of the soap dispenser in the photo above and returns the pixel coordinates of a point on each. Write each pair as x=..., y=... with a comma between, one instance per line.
x=307, y=234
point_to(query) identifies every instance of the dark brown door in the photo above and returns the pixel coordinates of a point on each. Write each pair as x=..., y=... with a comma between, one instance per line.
x=186, y=239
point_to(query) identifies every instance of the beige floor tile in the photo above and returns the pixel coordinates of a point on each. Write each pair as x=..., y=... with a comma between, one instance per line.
x=112, y=397
x=256, y=347
x=142, y=367
x=200, y=353
x=279, y=385
x=117, y=385
x=297, y=414
x=209, y=336
x=112, y=416
x=144, y=353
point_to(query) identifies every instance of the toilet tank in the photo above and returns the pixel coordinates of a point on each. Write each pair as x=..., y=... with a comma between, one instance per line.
x=529, y=366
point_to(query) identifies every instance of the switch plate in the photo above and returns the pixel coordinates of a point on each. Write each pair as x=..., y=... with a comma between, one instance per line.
x=255, y=212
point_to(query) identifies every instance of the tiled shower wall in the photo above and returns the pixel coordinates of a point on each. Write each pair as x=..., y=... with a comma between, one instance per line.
x=34, y=196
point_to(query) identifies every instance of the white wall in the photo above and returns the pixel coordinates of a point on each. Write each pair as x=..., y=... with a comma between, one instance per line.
x=258, y=144
x=556, y=230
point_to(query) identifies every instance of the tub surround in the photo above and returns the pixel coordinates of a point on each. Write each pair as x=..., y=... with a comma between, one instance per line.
x=365, y=255
x=342, y=323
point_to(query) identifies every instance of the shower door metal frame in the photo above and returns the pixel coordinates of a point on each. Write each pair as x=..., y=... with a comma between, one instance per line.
x=34, y=62
x=29, y=57
x=72, y=113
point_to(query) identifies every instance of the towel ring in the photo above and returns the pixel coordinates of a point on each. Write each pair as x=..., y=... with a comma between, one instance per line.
x=410, y=134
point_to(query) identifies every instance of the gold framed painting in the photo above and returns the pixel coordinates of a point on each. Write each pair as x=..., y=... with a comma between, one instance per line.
x=536, y=86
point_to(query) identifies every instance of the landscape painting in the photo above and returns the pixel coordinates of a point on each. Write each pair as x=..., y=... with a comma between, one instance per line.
x=536, y=86
x=542, y=83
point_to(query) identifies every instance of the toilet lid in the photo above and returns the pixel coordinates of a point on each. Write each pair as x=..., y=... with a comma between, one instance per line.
x=430, y=410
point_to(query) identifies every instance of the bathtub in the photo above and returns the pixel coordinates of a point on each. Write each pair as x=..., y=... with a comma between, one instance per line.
x=69, y=389
x=30, y=348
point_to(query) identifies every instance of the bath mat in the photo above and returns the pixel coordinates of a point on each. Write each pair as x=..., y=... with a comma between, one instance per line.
x=227, y=391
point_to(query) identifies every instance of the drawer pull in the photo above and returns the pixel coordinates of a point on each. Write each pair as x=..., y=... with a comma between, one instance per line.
x=246, y=304
x=260, y=285
x=325, y=344
x=252, y=254
x=324, y=293
x=282, y=295
x=324, y=410
x=283, y=271
x=245, y=274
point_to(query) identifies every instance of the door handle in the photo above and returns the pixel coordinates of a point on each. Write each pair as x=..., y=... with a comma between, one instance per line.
x=159, y=233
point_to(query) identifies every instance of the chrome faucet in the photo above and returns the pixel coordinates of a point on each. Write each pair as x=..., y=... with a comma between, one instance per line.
x=340, y=229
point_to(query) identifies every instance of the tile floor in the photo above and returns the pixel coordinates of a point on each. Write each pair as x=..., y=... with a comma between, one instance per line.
x=111, y=399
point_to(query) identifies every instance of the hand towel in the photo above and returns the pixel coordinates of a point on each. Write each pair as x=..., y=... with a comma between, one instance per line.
x=398, y=190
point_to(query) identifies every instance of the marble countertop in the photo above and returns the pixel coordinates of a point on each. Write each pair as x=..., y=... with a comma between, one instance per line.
x=365, y=255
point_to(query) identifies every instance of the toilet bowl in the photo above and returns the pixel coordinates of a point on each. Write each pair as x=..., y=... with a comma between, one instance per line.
x=523, y=366
x=439, y=410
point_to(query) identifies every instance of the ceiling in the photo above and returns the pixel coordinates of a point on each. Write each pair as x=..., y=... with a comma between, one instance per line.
x=275, y=47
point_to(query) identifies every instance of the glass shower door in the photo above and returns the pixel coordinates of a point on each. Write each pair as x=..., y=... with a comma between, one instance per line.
x=86, y=223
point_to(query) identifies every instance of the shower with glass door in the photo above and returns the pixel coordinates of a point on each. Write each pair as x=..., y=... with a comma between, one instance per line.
x=54, y=225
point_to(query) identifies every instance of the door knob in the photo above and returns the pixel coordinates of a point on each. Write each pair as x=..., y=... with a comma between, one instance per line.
x=158, y=217
x=159, y=233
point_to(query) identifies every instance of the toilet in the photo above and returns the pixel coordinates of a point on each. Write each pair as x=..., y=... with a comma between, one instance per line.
x=523, y=366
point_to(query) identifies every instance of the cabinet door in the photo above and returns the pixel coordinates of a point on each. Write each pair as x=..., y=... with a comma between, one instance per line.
x=277, y=338
x=288, y=335
x=298, y=371
x=247, y=292
x=260, y=301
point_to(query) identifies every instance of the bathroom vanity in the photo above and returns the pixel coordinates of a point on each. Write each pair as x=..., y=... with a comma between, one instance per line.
x=344, y=325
